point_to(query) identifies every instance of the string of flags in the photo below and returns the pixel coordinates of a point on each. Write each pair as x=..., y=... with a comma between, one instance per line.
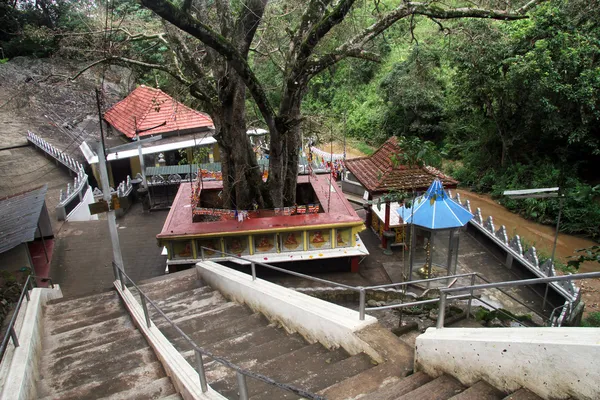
x=242, y=215
x=326, y=154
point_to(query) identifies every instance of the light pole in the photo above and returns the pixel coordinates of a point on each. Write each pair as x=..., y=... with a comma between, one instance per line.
x=542, y=193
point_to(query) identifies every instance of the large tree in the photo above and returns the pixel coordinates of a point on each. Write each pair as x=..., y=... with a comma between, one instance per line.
x=210, y=47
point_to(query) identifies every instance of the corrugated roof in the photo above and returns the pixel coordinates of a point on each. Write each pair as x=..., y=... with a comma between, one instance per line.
x=19, y=216
x=151, y=107
x=377, y=172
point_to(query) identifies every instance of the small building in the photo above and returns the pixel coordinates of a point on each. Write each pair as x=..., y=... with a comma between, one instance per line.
x=24, y=219
x=322, y=226
x=373, y=176
x=149, y=112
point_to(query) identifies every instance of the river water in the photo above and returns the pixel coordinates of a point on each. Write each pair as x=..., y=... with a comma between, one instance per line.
x=538, y=235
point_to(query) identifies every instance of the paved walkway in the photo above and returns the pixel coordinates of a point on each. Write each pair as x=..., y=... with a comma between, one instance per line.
x=82, y=261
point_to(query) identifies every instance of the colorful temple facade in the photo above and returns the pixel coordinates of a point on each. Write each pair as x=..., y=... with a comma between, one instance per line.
x=322, y=226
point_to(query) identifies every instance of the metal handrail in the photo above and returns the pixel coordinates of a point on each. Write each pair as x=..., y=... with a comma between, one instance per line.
x=362, y=289
x=199, y=351
x=10, y=330
x=525, y=282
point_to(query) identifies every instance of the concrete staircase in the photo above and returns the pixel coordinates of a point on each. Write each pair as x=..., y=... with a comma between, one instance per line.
x=245, y=338
x=92, y=350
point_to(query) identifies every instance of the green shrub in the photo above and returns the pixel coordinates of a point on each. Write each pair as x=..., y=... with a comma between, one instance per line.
x=592, y=320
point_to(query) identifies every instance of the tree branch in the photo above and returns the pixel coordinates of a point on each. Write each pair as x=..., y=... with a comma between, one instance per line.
x=208, y=36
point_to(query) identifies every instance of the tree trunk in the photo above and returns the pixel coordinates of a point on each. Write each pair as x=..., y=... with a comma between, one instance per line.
x=242, y=178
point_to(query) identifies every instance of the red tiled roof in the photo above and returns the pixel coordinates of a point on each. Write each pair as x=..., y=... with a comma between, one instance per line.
x=151, y=107
x=377, y=172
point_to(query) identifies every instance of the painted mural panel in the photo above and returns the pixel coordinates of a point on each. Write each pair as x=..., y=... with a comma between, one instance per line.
x=212, y=247
x=319, y=239
x=343, y=237
x=265, y=243
x=237, y=245
x=291, y=241
x=182, y=249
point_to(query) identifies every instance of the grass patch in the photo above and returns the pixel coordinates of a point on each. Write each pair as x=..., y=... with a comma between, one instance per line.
x=592, y=320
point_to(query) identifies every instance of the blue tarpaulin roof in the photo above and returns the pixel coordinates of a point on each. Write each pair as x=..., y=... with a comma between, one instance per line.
x=435, y=210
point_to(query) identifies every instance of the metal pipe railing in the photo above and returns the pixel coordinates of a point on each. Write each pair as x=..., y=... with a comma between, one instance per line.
x=199, y=351
x=525, y=282
x=11, y=334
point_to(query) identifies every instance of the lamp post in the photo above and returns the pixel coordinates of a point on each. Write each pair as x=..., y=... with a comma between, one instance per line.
x=542, y=193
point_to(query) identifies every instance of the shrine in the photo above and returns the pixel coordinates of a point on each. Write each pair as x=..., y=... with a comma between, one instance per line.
x=323, y=225
x=375, y=176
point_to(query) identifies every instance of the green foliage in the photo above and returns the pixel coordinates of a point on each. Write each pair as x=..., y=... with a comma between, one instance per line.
x=592, y=320
x=591, y=253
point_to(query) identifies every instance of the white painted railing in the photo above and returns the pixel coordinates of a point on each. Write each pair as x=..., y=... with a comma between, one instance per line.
x=58, y=155
x=529, y=258
x=74, y=195
x=123, y=190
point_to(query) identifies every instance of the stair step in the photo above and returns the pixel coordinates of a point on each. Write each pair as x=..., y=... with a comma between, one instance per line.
x=83, y=300
x=205, y=321
x=60, y=379
x=168, y=286
x=402, y=387
x=223, y=379
x=126, y=380
x=480, y=391
x=189, y=307
x=159, y=389
x=87, y=337
x=328, y=376
x=181, y=296
x=130, y=342
x=228, y=331
x=288, y=367
x=89, y=315
x=522, y=394
x=441, y=388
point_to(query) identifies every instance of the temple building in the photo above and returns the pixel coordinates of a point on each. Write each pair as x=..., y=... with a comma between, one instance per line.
x=322, y=226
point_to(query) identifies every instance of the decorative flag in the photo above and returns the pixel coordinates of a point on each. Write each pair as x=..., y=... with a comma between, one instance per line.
x=301, y=209
x=287, y=211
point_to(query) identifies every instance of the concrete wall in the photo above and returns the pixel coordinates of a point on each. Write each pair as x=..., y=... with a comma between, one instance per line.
x=315, y=319
x=19, y=369
x=185, y=379
x=554, y=363
x=82, y=211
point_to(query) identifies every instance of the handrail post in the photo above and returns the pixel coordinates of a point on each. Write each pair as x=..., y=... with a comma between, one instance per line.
x=470, y=297
x=26, y=289
x=13, y=336
x=242, y=386
x=361, y=306
x=200, y=370
x=253, y=268
x=145, y=307
x=441, y=310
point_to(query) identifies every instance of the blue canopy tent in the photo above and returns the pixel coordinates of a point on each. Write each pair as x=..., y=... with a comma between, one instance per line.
x=436, y=211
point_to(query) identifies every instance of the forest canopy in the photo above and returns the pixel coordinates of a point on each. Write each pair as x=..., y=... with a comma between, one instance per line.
x=508, y=94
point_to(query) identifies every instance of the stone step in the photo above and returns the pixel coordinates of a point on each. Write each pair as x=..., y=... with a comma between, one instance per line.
x=307, y=360
x=159, y=389
x=189, y=307
x=223, y=379
x=129, y=342
x=204, y=321
x=62, y=376
x=84, y=316
x=171, y=284
x=480, y=391
x=441, y=388
x=326, y=377
x=522, y=394
x=104, y=387
x=56, y=306
x=374, y=380
x=87, y=337
x=400, y=387
x=179, y=296
x=231, y=331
